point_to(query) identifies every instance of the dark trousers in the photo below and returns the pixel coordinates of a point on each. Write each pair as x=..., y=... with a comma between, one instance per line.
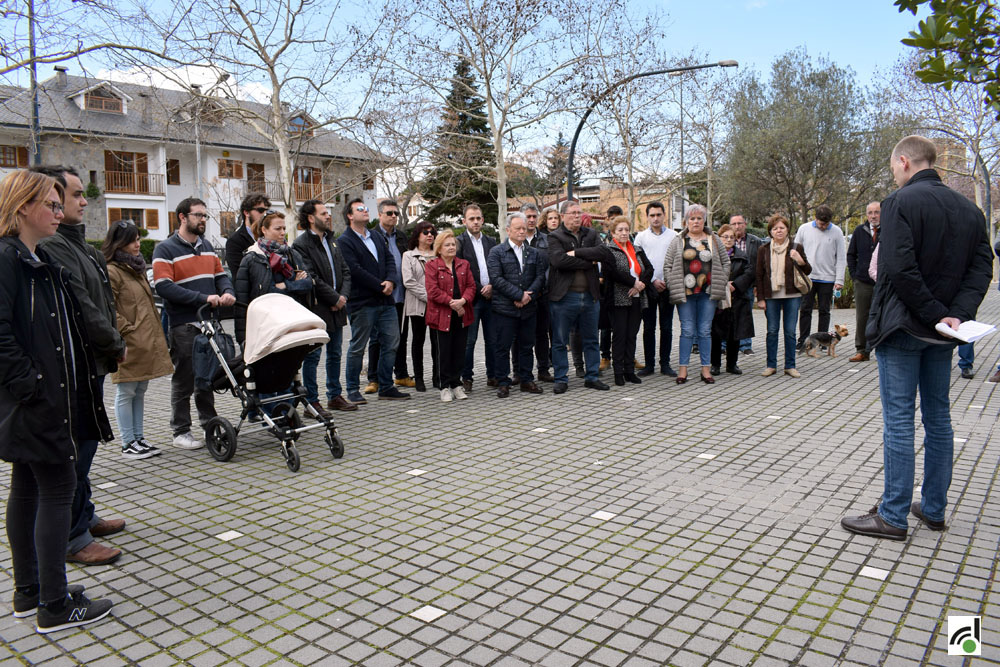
x=543, y=338
x=482, y=314
x=576, y=347
x=625, y=322
x=823, y=293
x=182, y=383
x=863, y=304
x=451, y=352
x=373, y=351
x=84, y=515
x=419, y=326
x=724, y=331
x=659, y=305
x=606, y=343
x=517, y=333
x=38, y=516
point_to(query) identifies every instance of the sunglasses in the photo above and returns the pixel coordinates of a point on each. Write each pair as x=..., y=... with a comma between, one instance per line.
x=360, y=209
x=391, y=214
x=261, y=209
x=429, y=232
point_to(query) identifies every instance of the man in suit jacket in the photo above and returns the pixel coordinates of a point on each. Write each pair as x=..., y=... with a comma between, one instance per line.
x=517, y=276
x=475, y=247
x=749, y=244
x=388, y=227
x=370, y=305
x=323, y=261
x=253, y=208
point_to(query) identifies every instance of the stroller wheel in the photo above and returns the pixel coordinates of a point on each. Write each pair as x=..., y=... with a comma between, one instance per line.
x=291, y=455
x=287, y=411
x=335, y=444
x=220, y=436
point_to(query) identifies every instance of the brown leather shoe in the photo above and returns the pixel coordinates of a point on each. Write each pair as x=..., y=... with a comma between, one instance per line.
x=872, y=525
x=995, y=377
x=503, y=391
x=340, y=403
x=860, y=356
x=318, y=407
x=467, y=385
x=493, y=382
x=94, y=554
x=107, y=527
x=530, y=388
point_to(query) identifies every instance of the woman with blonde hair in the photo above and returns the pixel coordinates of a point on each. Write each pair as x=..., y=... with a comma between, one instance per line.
x=777, y=293
x=451, y=290
x=696, y=270
x=50, y=400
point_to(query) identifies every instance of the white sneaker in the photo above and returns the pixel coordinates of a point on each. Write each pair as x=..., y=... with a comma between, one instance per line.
x=187, y=441
x=459, y=393
x=446, y=395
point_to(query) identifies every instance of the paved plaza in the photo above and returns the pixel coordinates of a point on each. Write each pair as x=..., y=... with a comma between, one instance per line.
x=648, y=525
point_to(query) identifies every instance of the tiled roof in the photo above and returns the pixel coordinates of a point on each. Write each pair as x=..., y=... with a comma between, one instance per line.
x=161, y=121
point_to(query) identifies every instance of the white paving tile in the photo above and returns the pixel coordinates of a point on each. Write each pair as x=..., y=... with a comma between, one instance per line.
x=428, y=614
x=412, y=412
x=628, y=399
x=706, y=456
x=819, y=391
x=976, y=407
x=874, y=573
x=106, y=485
x=603, y=516
x=961, y=440
x=598, y=463
x=416, y=472
x=229, y=535
x=539, y=430
x=774, y=416
x=854, y=370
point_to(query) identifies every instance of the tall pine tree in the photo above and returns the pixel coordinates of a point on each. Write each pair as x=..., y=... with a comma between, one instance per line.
x=462, y=160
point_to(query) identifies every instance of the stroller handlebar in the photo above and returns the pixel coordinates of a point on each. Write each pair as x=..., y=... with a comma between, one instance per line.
x=201, y=309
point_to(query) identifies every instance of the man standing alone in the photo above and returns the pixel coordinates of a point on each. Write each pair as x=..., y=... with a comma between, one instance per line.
x=827, y=253
x=934, y=267
x=859, y=256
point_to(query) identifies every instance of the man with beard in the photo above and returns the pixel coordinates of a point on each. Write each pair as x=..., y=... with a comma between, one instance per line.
x=187, y=274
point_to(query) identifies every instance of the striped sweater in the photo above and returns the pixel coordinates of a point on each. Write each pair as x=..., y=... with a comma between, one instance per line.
x=184, y=275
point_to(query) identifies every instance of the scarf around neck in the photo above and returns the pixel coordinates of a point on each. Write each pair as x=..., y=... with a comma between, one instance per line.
x=135, y=262
x=778, y=265
x=276, y=254
x=633, y=259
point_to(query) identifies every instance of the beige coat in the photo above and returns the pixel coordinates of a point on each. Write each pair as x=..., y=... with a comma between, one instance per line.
x=415, y=300
x=673, y=269
x=139, y=325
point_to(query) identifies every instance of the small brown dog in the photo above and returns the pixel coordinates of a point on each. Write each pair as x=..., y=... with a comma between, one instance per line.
x=814, y=341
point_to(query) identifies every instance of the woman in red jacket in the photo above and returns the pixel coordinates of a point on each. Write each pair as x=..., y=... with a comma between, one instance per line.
x=450, y=291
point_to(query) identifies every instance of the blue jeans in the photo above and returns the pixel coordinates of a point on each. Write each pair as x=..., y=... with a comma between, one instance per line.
x=334, y=350
x=129, y=403
x=482, y=311
x=966, y=355
x=575, y=309
x=368, y=321
x=906, y=364
x=747, y=343
x=696, y=323
x=781, y=313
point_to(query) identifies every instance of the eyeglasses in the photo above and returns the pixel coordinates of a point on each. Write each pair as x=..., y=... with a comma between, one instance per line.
x=271, y=211
x=199, y=216
x=124, y=224
x=429, y=232
x=53, y=206
x=391, y=214
x=260, y=209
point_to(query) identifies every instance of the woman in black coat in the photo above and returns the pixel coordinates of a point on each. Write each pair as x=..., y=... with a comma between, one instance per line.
x=269, y=265
x=627, y=273
x=44, y=355
x=735, y=322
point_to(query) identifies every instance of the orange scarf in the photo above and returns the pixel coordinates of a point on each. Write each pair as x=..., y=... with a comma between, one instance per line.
x=633, y=260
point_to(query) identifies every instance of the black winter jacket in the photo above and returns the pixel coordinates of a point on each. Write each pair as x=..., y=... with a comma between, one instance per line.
x=327, y=289
x=588, y=248
x=255, y=278
x=859, y=254
x=510, y=282
x=41, y=416
x=740, y=315
x=88, y=275
x=934, y=260
x=236, y=245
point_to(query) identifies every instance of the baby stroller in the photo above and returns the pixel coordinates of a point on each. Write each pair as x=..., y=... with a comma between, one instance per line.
x=280, y=333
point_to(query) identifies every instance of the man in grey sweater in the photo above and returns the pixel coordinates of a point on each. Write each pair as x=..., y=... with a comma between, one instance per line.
x=827, y=253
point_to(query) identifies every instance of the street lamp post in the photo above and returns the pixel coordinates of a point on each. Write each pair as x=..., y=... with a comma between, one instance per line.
x=579, y=128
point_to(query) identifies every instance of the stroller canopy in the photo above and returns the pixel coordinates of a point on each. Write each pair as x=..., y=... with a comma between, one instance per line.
x=276, y=322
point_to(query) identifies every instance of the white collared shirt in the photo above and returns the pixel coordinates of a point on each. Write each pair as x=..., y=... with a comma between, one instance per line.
x=518, y=252
x=477, y=247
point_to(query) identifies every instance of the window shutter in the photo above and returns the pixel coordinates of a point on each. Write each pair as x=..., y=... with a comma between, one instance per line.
x=141, y=163
x=174, y=224
x=152, y=218
x=222, y=169
x=114, y=215
x=110, y=164
x=238, y=169
x=22, y=156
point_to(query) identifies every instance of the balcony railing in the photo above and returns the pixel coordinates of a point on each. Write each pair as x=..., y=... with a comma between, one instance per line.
x=271, y=189
x=304, y=191
x=275, y=192
x=131, y=182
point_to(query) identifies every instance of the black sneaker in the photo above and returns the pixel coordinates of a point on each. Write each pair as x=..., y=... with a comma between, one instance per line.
x=134, y=451
x=580, y=373
x=26, y=602
x=148, y=447
x=77, y=610
x=392, y=394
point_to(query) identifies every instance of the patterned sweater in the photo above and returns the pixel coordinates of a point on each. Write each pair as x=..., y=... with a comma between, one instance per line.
x=184, y=275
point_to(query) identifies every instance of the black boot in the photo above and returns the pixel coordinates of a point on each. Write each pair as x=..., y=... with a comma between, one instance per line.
x=419, y=384
x=619, y=380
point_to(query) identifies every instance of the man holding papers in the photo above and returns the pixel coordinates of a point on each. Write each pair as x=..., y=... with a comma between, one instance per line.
x=934, y=266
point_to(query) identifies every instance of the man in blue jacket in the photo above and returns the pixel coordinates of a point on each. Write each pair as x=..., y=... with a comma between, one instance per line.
x=517, y=276
x=934, y=267
x=370, y=306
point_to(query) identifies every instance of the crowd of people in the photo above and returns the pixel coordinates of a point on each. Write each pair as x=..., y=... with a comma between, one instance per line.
x=554, y=291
